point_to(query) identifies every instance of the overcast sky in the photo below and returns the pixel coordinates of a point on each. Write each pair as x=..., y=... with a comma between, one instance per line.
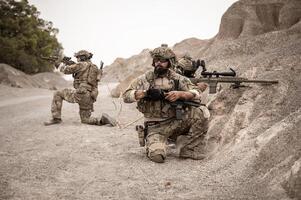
x=122, y=28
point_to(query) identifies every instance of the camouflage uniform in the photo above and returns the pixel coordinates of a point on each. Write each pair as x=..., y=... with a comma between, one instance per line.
x=186, y=68
x=185, y=64
x=86, y=76
x=160, y=121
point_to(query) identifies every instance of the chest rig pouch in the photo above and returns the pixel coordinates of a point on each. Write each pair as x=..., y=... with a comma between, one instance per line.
x=158, y=108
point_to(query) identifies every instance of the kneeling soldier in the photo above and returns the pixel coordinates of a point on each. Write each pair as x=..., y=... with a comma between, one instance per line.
x=86, y=76
x=167, y=100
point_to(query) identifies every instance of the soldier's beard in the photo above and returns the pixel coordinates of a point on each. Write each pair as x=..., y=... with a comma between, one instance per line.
x=160, y=71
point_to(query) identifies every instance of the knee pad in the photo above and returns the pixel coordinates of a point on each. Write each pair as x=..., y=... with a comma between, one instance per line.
x=158, y=158
x=156, y=152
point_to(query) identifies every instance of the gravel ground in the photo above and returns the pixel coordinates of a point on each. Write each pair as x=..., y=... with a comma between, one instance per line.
x=76, y=161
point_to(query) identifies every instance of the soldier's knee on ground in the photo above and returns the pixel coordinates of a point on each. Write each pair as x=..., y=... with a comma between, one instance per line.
x=156, y=152
x=85, y=115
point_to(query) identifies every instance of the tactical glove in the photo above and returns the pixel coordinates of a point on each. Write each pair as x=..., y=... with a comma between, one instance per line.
x=155, y=94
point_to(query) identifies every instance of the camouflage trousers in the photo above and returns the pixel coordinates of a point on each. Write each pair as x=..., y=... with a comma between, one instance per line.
x=82, y=97
x=188, y=134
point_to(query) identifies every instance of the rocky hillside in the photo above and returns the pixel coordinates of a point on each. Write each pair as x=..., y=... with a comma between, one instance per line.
x=254, y=131
x=15, y=78
x=121, y=68
x=125, y=70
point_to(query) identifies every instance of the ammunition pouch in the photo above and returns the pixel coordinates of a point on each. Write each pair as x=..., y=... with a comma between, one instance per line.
x=81, y=90
x=141, y=134
x=179, y=111
x=143, y=131
x=155, y=105
x=94, y=94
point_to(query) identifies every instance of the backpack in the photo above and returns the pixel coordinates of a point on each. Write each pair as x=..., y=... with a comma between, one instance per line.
x=93, y=75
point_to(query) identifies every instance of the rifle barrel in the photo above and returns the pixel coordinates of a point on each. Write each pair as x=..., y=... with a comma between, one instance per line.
x=260, y=81
x=231, y=80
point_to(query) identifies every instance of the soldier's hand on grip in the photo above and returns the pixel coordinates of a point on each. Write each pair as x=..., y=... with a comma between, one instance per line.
x=202, y=86
x=155, y=94
x=139, y=94
x=173, y=95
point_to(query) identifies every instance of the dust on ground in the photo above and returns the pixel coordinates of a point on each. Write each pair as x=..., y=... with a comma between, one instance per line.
x=77, y=161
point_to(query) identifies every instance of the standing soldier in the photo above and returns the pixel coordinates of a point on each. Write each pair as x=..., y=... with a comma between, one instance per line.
x=86, y=76
x=161, y=95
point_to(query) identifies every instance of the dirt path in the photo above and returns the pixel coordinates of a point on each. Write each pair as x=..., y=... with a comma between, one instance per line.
x=76, y=161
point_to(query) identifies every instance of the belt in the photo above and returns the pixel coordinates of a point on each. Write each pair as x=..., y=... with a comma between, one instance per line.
x=153, y=123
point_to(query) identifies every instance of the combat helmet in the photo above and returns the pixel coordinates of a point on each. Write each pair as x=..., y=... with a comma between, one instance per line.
x=185, y=63
x=164, y=52
x=85, y=53
x=185, y=66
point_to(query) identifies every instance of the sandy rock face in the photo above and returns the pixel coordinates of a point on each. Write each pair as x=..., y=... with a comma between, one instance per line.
x=250, y=18
x=255, y=130
x=248, y=28
x=125, y=70
x=15, y=78
x=121, y=68
x=192, y=46
x=253, y=142
x=294, y=180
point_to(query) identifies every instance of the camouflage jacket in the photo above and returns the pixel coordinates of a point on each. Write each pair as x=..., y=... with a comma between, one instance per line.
x=158, y=109
x=85, y=74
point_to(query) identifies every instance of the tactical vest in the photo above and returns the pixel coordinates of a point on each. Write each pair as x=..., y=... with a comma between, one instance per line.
x=87, y=77
x=161, y=108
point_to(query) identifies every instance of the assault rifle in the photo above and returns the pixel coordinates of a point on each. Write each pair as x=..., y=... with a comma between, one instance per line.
x=67, y=61
x=180, y=104
x=213, y=78
x=57, y=61
x=159, y=94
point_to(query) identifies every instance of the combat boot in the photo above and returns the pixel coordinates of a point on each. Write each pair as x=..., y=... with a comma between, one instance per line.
x=106, y=119
x=53, y=121
x=192, y=155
